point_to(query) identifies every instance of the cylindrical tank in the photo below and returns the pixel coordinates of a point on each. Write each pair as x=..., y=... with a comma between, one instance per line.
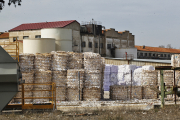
x=62, y=36
x=38, y=45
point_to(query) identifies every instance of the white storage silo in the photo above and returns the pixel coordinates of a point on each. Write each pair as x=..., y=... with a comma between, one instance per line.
x=38, y=45
x=62, y=36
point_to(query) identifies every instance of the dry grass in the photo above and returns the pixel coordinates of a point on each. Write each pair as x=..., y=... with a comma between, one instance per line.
x=167, y=113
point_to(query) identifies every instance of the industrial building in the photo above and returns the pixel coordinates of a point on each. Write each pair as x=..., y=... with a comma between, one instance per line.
x=146, y=52
x=71, y=36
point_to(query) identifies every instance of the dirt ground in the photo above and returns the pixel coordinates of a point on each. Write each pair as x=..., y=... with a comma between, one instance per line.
x=167, y=113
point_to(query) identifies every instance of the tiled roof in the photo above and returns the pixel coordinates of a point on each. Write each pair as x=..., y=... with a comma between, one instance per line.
x=157, y=49
x=37, y=26
x=4, y=35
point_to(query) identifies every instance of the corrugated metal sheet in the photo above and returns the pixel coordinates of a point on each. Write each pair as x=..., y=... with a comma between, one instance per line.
x=37, y=26
x=115, y=61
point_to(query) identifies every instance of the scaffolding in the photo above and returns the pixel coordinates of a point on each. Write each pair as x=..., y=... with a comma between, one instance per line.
x=14, y=51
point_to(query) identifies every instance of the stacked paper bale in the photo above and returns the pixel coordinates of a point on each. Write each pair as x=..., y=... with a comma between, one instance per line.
x=75, y=60
x=26, y=63
x=107, y=72
x=59, y=60
x=118, y=92
x=29, y=78
x=60, y=79
x=149, y=79
x=75, y=84
x=93, y=81
x=113, y=75
x=175, y=60
x=42, y=61
x=103, y=62
x=125, y=77
x=42, y=77
x=121, y=92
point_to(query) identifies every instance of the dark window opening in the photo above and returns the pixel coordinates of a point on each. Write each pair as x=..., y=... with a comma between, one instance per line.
x=169, y=55
x=25, y=37
x=14, y=39
x=108, y=46
x=145, y=54
x=83, y=44
x=90, y=44
x=149, y=54
x=141, y=54
x=37, y=36
x=96, y=45
x=164, y=55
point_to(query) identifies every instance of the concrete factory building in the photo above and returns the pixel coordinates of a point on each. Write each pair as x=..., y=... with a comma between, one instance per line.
x=146, y=52
x=71, y=36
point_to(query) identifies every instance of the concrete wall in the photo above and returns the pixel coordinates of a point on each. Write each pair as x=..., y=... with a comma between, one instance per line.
x=20, y=34
x=76, y=39
x=120, y=40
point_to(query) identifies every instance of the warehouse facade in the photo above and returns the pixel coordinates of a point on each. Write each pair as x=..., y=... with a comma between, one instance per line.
x=146, y=52
x=71, y=36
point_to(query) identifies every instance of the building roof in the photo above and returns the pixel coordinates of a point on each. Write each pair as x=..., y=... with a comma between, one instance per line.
x=157, y=49
x=37, y=26
x=4, y=35
x=144, y=60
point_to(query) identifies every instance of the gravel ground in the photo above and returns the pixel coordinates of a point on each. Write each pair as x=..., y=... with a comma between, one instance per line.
x=170, y=112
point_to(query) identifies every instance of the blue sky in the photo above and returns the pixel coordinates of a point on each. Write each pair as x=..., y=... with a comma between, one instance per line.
x=153, y=22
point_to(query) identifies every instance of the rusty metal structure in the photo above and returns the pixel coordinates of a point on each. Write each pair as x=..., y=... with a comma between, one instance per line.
x=25, y=106
x=173, y=89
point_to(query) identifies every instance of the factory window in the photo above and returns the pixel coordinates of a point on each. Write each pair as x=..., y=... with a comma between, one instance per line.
x=145, y=54
x=90, y=44
x=153, y=55
x=96, y=45
x=161, y=55
x=25, y=37
x=37, y=36
x=149, y=54
x=83, y=44
x=169, y=56
x=14, y=38
x=108, y=46
x=141, y=54
x=101, y=45
x=164, y=55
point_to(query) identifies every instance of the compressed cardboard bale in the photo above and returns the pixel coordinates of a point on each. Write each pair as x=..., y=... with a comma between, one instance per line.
x=29, y=78
x=93, y=79
x=59, y=60
x=26, y=62
x=92, y=61
x=59, y=77
x=42, y=77
x=42, y=61
x=61, y=93
x=92, y=94
x=136, y=92
x=26, y=95
x=72, y=78
x=148, y=93
x=175, y=60
x=73, y=94
x=118, y=92
x=75, y=60
x=149, y=77
x=41, y=94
